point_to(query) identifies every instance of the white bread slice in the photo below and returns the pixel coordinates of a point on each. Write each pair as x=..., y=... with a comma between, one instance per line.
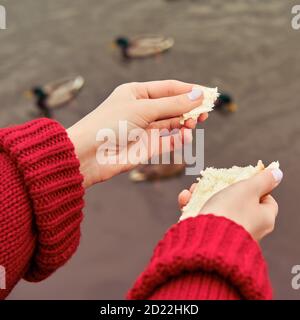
x=210, y=95
x=214, y=180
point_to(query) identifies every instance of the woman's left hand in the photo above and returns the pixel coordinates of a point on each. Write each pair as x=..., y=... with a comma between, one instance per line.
x=148, y=105
x=248, y=202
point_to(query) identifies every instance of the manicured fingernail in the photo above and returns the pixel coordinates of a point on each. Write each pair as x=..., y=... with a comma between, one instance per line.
x=277, y=174
x=195, y=94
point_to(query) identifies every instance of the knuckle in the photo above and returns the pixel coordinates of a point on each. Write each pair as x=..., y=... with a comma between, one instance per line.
x=171, y=84
x=133, y=83
x=125, y=86
x=270, y=222
x=120, y=87
x=276, y=209
x=270, y=229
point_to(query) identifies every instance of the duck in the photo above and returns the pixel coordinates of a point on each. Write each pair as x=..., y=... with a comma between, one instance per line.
x=55, y=94
x=143, y=46
x=151, y=172
x=225, y=103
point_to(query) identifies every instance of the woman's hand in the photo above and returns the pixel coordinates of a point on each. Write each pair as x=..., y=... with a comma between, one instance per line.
x=248, y=203
x=149, y=105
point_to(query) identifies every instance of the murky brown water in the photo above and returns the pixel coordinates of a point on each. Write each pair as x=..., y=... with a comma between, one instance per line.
x=244, y=47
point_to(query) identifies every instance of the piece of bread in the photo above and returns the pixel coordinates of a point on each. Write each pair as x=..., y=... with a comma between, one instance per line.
x=210, y=95
x=214, y=180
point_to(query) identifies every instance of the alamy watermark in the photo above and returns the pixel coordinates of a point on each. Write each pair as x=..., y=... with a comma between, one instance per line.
x=2, y=278
x=296, y=278
x=152, y=146
x=296, y=17
x=2, y=17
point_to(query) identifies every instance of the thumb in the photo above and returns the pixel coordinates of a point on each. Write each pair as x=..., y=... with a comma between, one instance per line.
x=265, y=181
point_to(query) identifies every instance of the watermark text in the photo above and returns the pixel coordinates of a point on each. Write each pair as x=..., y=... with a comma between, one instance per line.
x=296, y=278
x=153, y=146
x=296, y=17
x=2, y=17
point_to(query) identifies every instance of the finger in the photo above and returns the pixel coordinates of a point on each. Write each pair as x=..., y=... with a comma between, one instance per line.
x=269, y=211
x=172, y=123
x=147, y=144
x=163, y=142
x=265, y=181
x=151, y=143
x=173, y=141
x=190, y=123
x=160, y=89
x=270, y=205
x=183, y=198
x=193, y=186
x=170, y=107
x=187, y=135
x=203, y=117
x=169, y=124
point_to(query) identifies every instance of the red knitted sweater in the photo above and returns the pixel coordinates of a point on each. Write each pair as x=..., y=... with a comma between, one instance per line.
x=41, y=201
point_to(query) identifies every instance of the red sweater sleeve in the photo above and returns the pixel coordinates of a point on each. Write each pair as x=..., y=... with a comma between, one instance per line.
x=41, y=201
x=206, y=257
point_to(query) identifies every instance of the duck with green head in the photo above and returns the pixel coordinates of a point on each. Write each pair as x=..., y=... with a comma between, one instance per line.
x=143, y=46
x=41, y=97
x=56, y=94
x=123, y=43
x=225, y=103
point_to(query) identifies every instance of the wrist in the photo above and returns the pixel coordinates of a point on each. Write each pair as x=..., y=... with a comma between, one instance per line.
x=85, y=152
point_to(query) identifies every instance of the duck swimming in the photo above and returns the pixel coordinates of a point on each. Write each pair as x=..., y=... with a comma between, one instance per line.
x=143, y=46
x=225, y=103
x=56, y=94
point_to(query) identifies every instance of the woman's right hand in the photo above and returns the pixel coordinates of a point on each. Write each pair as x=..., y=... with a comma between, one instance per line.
x=248, y=203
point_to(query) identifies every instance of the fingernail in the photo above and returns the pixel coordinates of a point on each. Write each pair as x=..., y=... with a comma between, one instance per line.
x=277, y=174
x=195, y=94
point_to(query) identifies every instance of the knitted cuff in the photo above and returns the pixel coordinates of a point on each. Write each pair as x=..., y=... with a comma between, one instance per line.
x=208, y=244
x=45, y=158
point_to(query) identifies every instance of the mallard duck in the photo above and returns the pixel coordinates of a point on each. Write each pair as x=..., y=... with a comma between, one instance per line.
x=143, y=46
x=56, y=94
x=151, y=172
x=225, y=103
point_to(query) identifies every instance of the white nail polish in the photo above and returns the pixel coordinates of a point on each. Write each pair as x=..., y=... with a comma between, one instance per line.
x=195, y=94
x=277, y=174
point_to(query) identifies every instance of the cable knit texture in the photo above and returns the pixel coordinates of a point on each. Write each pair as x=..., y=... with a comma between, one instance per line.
x=205, y=257
x=41, y=200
